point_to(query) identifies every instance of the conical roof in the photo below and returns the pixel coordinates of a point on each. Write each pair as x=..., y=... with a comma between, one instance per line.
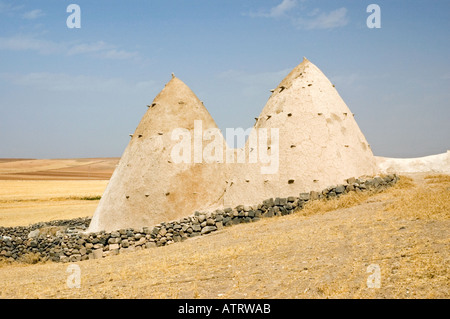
x=320, y=143
x=148, y=185
x=314, y=142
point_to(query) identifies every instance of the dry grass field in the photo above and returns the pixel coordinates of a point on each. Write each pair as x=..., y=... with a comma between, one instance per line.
x=323, y=251
x=31, y=201
x=34, y=191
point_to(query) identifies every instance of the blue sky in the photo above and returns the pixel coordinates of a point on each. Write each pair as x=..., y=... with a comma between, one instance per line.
x=80, y=92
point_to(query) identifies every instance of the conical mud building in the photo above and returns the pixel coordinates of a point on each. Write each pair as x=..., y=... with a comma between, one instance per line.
x=149, y=185
x=319, y=143
x=307, y=133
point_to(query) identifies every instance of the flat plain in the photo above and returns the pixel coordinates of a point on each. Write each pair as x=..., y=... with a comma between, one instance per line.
x=40, y=190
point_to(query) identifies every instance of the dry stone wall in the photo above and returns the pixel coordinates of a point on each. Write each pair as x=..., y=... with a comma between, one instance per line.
x=68, y=241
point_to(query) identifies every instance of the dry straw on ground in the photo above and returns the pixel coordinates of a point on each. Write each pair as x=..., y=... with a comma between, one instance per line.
x=324, y=254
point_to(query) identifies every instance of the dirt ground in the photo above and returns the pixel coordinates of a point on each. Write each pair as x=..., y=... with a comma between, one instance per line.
x=58, y=169
x=328, y=250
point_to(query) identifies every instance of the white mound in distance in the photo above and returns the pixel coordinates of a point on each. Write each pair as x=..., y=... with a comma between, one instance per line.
x=439, y=163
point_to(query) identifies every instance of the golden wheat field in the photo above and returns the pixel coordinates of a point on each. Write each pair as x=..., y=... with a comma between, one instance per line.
x=37, y=190
x=28, y=202
x=323, y=251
